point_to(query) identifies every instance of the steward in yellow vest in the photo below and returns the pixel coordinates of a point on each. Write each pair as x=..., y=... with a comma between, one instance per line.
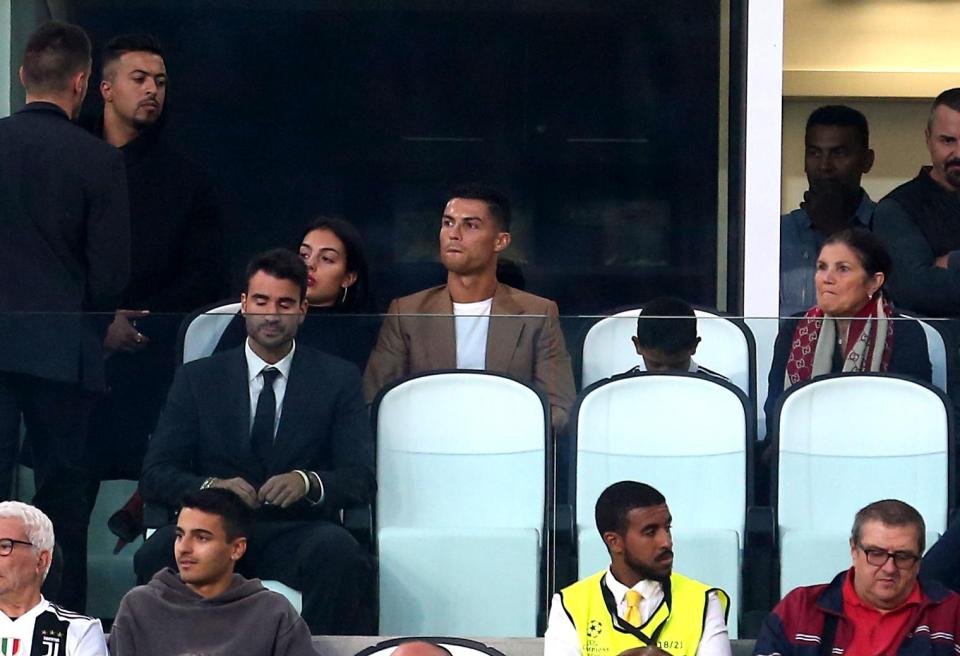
x=676, y=626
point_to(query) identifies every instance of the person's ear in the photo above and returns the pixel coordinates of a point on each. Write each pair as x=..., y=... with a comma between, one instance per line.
x=503, y=240
x=238, y=548
x=636, y=344
x=868, y=158
x=243, y=303
x=693, y=349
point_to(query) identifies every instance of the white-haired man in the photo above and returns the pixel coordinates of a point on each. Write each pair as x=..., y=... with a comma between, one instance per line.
x=29, y=624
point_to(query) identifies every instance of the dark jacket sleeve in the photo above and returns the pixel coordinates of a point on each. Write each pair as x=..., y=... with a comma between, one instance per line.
x=910, y=357
x=168, y=464
x=203, y=270
x=772, y=638
x=778, y=368
x=915, y=281
x=107, y=240
x=350, y=479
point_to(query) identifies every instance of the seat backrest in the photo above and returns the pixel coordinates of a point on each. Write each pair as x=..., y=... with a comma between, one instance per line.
x=848, y=440
x=937, y=351
x=726, y=347
x=686, y=435
x=464, y=449
x=204, y=329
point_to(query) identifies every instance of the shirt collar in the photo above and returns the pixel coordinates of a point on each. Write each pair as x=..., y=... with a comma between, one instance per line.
x=646, y=587
x=851, y=597
x=863, y=215
x=256, y=364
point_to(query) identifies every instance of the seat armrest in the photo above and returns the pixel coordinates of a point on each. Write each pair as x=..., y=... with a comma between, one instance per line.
x=761, y=527
x=358, y=520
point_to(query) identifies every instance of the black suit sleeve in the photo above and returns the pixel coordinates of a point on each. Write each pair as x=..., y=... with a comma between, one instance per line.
x=107, y=239
x=778, y=369
x=910, y=357
x=168, y=465
x=350, y=479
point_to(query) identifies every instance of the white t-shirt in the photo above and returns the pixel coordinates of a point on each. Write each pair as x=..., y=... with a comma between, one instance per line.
x=472, y=320
x=48, y=630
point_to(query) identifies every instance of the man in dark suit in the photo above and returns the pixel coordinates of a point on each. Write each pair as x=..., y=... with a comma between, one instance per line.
x=285, y=428
x=65, y=247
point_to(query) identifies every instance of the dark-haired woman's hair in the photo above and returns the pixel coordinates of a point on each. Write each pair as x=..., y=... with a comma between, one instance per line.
x=358, y=295
x=872, y=253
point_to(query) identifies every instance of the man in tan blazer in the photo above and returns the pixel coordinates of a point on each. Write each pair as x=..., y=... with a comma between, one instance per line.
x=474, y=321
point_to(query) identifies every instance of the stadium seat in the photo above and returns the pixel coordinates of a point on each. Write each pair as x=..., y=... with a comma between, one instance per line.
x=845, y=441
x=726, y=347
x=692, y=439
x=461, y=459
x=937, y=350
x=202, y=329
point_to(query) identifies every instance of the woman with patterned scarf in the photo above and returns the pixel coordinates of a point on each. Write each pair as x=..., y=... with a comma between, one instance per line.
x=851, y=329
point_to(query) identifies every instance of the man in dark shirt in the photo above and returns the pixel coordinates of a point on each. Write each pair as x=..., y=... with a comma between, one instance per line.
x=920, y=220
x=837, y=154
x=177, y=242
x=66, y=251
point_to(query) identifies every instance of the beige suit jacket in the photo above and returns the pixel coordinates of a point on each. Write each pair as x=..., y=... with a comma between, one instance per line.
x=524, y=340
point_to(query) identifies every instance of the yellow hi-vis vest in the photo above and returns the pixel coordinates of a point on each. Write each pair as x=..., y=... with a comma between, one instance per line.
x=676, y=626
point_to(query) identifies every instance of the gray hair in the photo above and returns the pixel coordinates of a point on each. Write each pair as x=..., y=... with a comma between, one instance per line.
x=36, y=525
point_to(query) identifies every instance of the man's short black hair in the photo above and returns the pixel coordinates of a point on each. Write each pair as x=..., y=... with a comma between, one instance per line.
x=280, y=263
x=843, y=117
x=949, y=98
x=226, y=504
x=668, y=325
x=616, y=502
x=124, y=43
x=55, y=53
x=497, y=202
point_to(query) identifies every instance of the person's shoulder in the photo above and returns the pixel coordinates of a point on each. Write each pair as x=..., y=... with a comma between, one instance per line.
x=529, y=302
x=323, y=361
x=72, y=617
x=412, y=303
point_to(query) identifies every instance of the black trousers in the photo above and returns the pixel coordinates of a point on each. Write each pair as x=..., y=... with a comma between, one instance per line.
x=56, y=415
x=318, y=558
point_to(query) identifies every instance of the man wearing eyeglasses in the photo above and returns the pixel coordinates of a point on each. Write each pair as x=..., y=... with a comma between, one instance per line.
x=29, y=624
x=878, y=606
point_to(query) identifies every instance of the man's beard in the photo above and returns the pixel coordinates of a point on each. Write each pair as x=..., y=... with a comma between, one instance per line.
x=646, y=572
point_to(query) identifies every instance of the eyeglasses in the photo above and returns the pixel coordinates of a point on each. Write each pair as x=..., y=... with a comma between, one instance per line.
x=876, y=557
x=7, y=544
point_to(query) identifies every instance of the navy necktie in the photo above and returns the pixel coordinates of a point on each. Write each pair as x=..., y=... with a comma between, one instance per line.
x=261, y=435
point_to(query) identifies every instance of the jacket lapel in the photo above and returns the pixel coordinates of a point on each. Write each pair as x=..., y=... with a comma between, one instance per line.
x=298, y=395
x=439, y=330
x=505, y=329
x=238, y=407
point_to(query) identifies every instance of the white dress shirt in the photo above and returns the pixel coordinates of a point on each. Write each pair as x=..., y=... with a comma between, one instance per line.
x=472, y=323
x=255, y=367
x=561, y=638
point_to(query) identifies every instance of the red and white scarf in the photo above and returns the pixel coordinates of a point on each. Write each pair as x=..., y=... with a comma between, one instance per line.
x=815, y=338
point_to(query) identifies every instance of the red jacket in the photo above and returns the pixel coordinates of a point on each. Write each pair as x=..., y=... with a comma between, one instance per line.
x=795, y=627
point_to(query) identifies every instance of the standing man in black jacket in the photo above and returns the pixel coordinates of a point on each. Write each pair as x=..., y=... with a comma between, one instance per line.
x=177, y=243
x=65, y=249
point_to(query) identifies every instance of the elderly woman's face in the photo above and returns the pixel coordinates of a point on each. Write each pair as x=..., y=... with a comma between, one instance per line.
x=843, y=286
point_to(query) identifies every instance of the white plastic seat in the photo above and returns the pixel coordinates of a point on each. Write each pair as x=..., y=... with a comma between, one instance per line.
x=687, y=436
x=205, y=329
x=844, y=442
x=726, y=347
x=937, y=351
x=461, y=488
